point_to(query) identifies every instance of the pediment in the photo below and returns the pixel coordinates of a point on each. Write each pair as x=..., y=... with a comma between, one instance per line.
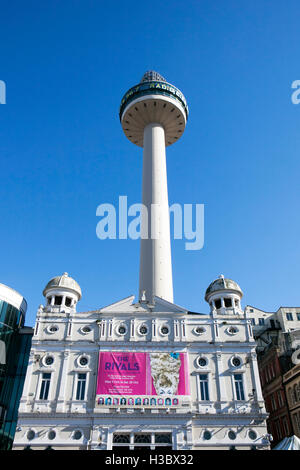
x=127, y=305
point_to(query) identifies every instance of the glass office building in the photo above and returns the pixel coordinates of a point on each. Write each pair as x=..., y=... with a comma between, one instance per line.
x=15, y=343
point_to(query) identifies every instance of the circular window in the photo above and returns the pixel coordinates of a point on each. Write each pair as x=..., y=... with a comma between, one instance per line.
x=252, y=435
x=207, y=435
x=199, y=330
x=52, y=328
x=164, y=330
x=236, y=362
x=232, y=435
x=51, y=435
x=77, y=435
x=86, y=329
x=122, y=330
x=143, y=330
x=48, y=361
x=30, y=435
x=83, y=361
x=232, y=330
x=202, y=361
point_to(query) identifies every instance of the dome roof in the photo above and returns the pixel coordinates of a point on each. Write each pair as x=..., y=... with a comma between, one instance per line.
x=64, y=281
x=152, y=76
x=221, y=284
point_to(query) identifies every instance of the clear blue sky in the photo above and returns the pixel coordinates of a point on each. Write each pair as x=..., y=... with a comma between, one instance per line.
x=66, y=65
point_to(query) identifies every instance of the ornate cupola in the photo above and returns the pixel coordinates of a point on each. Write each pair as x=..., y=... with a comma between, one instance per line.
x=224, y=297
x=62, y=294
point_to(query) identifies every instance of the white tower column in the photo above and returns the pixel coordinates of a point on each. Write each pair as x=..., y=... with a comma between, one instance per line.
x=155, y=254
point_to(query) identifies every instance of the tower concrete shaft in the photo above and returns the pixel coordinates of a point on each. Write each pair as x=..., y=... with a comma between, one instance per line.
x=155, y=252
x=153, y=115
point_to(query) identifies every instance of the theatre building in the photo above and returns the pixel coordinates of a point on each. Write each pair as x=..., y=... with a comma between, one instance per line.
x=141, y=375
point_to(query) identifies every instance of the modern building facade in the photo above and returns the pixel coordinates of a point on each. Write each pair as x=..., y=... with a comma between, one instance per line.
x=15, y=343
x=145, y=373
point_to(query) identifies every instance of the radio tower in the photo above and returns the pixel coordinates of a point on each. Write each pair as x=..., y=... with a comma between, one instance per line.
x=153, y=115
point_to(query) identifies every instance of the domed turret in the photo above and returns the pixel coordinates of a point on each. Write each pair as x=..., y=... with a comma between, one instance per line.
x=62, y=293
x=224, y=296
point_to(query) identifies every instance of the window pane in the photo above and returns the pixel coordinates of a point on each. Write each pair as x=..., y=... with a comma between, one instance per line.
x=58, y=300
x=142, y=438
x=239, y=389
x=122, y=438
x=163, y=438
x=81, y=382
x=45, y=386
x=204, y=395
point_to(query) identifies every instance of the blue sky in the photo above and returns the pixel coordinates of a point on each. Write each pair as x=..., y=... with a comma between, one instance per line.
x=66, y=66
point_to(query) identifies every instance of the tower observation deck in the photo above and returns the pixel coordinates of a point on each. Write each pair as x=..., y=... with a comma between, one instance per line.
x=153, y=115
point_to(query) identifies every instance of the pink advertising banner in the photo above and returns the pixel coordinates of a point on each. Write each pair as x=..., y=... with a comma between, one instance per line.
x=143, y=373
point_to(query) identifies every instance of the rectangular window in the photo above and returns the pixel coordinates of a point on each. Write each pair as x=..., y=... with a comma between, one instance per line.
x=280, y=400
x=81, y=383
x=289, y=316
x=273, y=401
x=204, y=393
x=183, y=328
x=298, y=316
x=261, y=321
x=272, y=371
x=176, y=328
x=103, y=322
x=45, y=385
x=239, y=388
x=285, y=426
x=278, y=429
x=253, y=321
